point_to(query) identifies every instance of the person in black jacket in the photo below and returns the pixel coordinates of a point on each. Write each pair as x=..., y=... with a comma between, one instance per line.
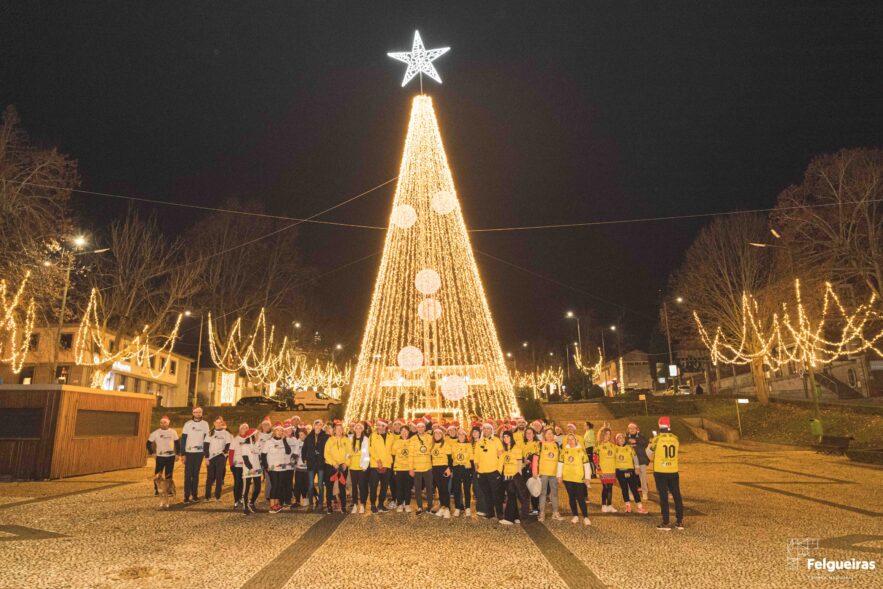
x=314, y=455
x=639, y=442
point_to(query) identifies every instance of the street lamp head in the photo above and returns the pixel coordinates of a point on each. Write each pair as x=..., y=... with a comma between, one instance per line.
x=187, y=313
x=612, y=328
x=551, y=353
x=569, y=315
x=508, y=354
x=338, y=347
x=297, y=324
x=524, y=344
x=576, y=344
x=679, y=300
x=79, y=241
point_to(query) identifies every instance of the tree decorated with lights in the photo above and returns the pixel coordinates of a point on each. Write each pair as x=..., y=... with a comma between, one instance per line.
x=430, y=345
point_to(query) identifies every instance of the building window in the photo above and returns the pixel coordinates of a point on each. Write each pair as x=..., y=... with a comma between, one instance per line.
x=62, y=373
x=66, y=341
x=173, y=367
x=111, y=346
x=26, y=376
x=851, y=377
x=34, y=341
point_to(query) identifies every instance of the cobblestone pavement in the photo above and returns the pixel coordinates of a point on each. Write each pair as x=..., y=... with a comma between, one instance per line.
x=754, y=515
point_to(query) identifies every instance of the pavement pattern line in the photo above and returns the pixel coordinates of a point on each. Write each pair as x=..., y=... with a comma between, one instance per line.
x=68, y=494
x=571, y=569
x=803, y=474
x=19, y=533
x=279, y=570
x=853, y=542
x=201, y=501
x=833, y=504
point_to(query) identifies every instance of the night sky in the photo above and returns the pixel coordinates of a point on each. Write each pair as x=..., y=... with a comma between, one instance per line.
x=550, y=113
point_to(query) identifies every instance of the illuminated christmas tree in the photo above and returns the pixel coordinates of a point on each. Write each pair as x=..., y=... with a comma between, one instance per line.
x=430, y=345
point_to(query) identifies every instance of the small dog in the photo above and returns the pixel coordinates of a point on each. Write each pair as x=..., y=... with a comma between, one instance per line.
x=166, y=488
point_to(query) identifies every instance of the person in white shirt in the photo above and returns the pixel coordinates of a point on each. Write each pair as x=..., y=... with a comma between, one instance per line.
x=218, y=447
x=265, y=432
x=234, y=458
x=277, y=461
x=251, y=468
x=300, y=473
x=164, y=443
x=194, y=447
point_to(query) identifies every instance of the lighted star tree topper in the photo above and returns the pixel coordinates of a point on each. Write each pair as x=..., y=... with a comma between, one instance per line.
x=430, y=345
x=419, y=61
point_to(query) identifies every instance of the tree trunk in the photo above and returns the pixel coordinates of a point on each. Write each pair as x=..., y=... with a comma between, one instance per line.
x=760, y=382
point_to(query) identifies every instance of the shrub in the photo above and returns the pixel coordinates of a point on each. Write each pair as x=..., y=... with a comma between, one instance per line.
x=530, y=408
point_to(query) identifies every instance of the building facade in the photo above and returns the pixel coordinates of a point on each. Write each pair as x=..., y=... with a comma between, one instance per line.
x=630, y=372
x=170, y=387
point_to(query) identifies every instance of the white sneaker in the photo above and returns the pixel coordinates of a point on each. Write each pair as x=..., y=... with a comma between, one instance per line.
x=400, y=508
x=439, y=513
x=468, y=512
x=586, y=521
x=447, y=513
x=361, y=509
x=505, y=522
x=480, y=514
x=518, y=521
x=355, y=509
x=304, y=503
x=407, y=509
x=611, y=509
x=574, y=519
x=456, y=512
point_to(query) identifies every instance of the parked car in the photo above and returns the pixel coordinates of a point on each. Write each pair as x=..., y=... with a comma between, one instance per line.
x=259, y=400
x=664, y=393
x=684, y=389
x=313, y=400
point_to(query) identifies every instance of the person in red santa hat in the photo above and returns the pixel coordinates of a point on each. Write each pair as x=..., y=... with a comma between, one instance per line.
x=664, y=451
x=164, y=442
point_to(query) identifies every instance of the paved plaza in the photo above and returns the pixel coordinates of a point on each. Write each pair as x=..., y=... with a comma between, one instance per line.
x=754, y=513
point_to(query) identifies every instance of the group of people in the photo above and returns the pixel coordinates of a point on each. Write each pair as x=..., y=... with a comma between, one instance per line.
x=508, y=470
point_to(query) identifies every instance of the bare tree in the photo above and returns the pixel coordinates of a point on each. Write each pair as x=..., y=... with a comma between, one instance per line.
x=35, y=187
x=831, y=224
x=146, y=278
x=247, y=271
x=719, y=267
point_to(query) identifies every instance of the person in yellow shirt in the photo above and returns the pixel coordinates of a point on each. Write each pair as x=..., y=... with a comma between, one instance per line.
x=513, y=483
x=575, y=472
x=337, y=454
x=461, y=460
x=358, y=463
x=442, y=462
x=379, y=464
x=605, y=468
x=488, y=452
x=421, y=464
x=518, y=434
x=547, y=470
x=401, y=452
x=664, y=450
x=530, y=451
x=626, y=462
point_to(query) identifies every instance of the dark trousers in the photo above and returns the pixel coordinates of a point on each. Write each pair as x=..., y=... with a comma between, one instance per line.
x=607, y=494
x=489, y=483
x=192, y=466
x=216, y=470
x=329, y=489
x=237, y=484
x=462, y=486
x=404, y=482
x=280, y=485
x=517, y=497
x=289, y=486
x=375, y=478
x=481, y=503
x=669, y=482
x=300, y=485
x=423, y=480
x=311, y=482
x=253, y=483
x=166, y=465
x=360, y=486
x=442, y=485
x=576, y=493
x=629, y=481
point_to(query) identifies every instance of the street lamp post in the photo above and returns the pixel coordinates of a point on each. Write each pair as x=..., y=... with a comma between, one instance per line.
x=198, y=358
x=668, y=338
x=79, y=242
x=579, y=335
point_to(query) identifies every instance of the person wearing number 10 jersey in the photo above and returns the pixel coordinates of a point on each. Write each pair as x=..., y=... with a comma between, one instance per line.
x=664, y=450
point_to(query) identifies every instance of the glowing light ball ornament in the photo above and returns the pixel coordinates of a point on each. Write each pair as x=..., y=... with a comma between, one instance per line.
x=427, y=281
x=404, y=216
x=429, y=310
x=443, y=202
x=430, y=344
x=410, y=358
x=454, y=388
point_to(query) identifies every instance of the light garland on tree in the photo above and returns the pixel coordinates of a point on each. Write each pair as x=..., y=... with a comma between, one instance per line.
x=593, y=371
x=16, y=325
x=91, y=349
x=256, y=354
x=796, y=337
x=537, y=381
x=429, y=328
